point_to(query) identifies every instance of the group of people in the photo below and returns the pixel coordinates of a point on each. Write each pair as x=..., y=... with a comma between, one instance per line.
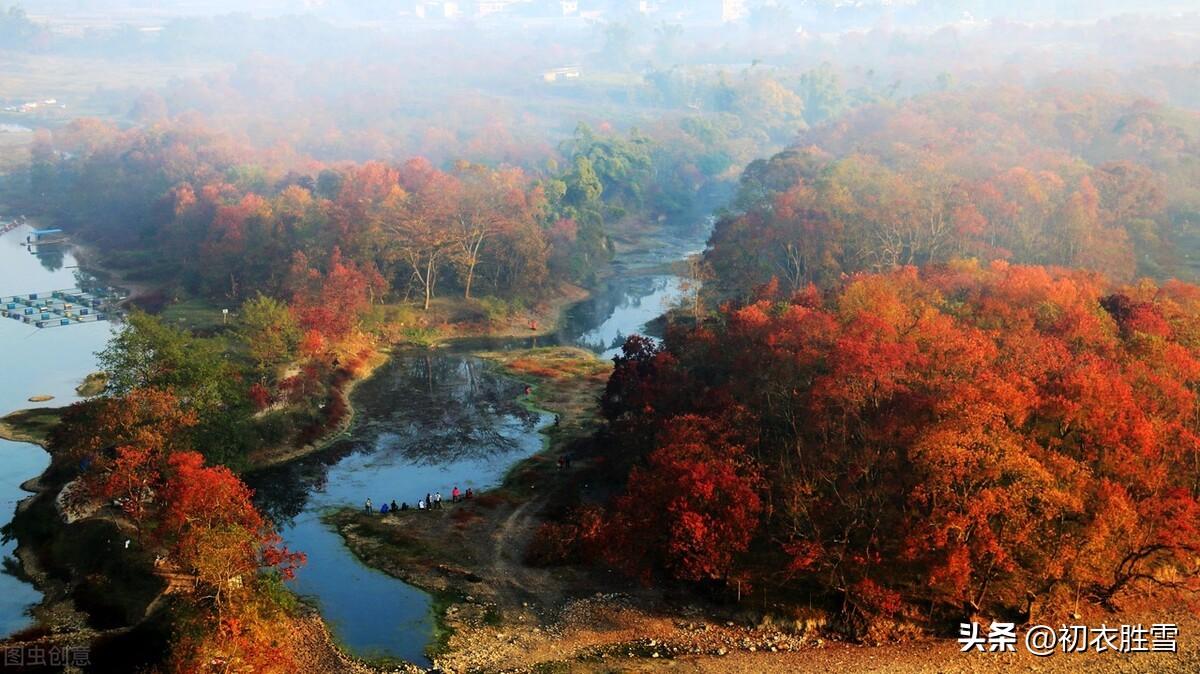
x=430, y=502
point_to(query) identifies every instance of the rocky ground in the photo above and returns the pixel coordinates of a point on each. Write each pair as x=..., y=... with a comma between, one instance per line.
x=616, y=633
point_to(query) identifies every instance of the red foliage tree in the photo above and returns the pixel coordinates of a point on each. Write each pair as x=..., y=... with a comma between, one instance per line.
x=980, y=436
x=692, y=509
x=331, y=302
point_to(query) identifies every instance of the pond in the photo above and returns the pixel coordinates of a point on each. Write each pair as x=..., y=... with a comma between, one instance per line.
x=34, y=362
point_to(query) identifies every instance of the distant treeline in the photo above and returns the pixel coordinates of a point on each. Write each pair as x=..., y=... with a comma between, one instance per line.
x=1046, y=177
x=192, y=207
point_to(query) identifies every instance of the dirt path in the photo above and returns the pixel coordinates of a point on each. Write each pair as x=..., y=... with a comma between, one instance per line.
x=611, y=634
x=516, y=583
x=511, y=538
x=918, y=658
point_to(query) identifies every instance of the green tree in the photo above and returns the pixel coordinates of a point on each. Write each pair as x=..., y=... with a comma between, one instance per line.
x=147, y=353
x=821, y=90
x=583, y=187
x=623, y=165
x=269, y=331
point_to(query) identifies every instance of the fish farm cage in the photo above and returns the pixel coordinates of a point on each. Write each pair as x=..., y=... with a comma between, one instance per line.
x=62, y=307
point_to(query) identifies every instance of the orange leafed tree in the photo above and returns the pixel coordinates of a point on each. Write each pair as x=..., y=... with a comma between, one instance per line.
x=134, y=453
x=985, y=438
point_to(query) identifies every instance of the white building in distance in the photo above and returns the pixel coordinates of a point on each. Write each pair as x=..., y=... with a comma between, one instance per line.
x=733, y=10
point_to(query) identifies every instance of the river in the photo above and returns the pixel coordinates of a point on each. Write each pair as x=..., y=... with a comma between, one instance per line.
x=34, y=362
x=426, y=422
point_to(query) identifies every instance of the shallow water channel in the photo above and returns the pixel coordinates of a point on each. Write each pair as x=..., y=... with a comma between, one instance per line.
x=428, y=422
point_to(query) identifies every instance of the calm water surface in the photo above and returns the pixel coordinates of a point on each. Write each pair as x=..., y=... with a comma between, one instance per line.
x=34, y=362
x=428, y=422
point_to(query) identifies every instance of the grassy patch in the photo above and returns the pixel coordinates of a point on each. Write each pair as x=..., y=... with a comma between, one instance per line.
x=442, y=631
x=555, y=363
x=455, y=317
x=389, y=545
x=423, y=337
x=196, y=314
x=92, y=385
x=566, y=381
x=30, y=425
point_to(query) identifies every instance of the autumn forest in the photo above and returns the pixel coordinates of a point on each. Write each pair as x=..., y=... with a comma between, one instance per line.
x=541, y=336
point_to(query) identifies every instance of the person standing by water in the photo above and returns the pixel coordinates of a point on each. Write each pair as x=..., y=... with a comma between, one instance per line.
x=454, y=495
x=437, y=500
x=368, y=507
x=421, y=504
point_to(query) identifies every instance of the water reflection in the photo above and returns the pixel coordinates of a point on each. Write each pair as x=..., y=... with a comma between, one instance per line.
x=18, y=462
x=627, y=304
x=443, y=411
x=429, y=422
x=51, y=256
x=36, y=362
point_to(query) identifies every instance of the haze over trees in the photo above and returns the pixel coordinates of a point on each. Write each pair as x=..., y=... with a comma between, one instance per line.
x=1045, y=177
x=939, y=360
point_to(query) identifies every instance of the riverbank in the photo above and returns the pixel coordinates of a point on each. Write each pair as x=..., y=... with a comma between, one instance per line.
x=95, y=587
x=451, y=319
x=513, y=327
x=275, y=456
x=468, y=555
x=31, y=425
x=540, y=321
x=497, y=611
